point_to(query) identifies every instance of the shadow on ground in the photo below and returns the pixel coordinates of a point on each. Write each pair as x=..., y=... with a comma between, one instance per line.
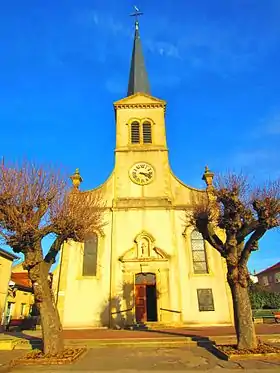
x=35, y=342
x=201, y=341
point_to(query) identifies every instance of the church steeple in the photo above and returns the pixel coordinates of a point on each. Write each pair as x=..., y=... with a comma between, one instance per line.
x=138, y=77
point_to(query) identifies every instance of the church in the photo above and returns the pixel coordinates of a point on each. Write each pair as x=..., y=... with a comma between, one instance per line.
x=146, y=267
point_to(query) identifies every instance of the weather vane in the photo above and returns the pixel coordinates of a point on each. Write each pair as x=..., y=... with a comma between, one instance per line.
x=136, y=14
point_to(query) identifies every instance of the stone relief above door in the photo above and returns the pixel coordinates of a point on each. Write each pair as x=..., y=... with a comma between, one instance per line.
x=144, y=249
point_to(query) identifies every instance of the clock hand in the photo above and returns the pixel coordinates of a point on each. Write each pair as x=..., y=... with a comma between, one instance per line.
x=145, y=174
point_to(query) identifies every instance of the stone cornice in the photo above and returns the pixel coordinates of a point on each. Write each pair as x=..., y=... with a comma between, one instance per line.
x=140, y=106
x=141, y=148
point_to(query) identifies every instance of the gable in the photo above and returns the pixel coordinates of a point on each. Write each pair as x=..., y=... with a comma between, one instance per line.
x=132, y=255
x=140, y=99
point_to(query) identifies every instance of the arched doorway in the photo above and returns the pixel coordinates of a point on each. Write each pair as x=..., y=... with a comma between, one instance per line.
x=145, y=297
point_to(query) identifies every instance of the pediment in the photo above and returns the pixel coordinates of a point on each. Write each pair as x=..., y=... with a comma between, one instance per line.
x=144, y=250
x=156, y=255
x=141, y=99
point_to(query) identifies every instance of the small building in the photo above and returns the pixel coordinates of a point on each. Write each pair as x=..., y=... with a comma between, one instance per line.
x=270, y=278
x=20, y=296
x=6, y=261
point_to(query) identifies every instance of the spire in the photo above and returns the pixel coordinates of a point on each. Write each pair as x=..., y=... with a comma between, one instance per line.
x=138, y=77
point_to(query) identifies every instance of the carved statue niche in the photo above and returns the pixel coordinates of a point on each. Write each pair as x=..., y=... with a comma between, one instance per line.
x=144, y=248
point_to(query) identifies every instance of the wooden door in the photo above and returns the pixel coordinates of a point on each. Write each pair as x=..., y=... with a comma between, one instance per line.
x=140, y=303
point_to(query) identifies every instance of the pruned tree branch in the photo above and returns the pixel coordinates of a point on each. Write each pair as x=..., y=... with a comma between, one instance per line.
x=241, y=212
x=53, y=251
x=35, y=203
x=251, y=244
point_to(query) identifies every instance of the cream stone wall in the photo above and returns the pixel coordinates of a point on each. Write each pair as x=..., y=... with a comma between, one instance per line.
x=5, y=275
x=22, y=302
x=156, y=212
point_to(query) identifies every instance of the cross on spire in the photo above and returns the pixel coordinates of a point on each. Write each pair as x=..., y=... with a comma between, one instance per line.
x=138, y=77
x=136, y=14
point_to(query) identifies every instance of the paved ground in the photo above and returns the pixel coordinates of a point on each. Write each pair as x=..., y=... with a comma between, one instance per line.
x=150, y=358
x=139, y=359
x=222, y=331
x=196, y=331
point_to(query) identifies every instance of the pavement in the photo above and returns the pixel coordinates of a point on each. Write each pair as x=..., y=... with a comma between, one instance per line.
x=92, y=337
x=102, y=333
x=126, y=351
x=146, y=359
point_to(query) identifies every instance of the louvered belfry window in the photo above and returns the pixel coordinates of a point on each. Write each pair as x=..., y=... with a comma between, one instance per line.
x=135, y=133
x=147, y=133
x=200, y=264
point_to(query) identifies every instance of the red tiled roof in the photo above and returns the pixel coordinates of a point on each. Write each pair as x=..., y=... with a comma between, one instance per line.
x=21, y=279
x=272, y=268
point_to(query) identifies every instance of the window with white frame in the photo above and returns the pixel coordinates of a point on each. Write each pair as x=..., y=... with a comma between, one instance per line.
x=264, y=280
x=22, y=309
x=200, y=265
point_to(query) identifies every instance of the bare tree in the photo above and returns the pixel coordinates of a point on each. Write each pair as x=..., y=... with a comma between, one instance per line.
x=35, y=203
x=233, y=219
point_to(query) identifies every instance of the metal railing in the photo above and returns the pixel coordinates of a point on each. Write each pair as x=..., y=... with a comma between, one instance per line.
x=121, y=311
x=168, y=310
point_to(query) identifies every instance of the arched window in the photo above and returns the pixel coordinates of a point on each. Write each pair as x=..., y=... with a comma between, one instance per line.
x=147, y=133
x=135, y=133
x=198, y=253
x=90, y=255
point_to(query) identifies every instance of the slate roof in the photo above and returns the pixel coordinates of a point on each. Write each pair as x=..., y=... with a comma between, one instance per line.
x=138, y=77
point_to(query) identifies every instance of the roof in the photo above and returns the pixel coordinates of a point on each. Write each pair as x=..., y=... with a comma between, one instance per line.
x=272, y=268
x=21, y=279
x=7, y=255
x=138, y=77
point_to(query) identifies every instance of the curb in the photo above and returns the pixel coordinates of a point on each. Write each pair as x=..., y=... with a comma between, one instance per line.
x=23, y=344
x=132, y=342
x=16, y=343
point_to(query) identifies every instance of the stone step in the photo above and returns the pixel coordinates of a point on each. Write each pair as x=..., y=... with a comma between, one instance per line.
x=24, y=344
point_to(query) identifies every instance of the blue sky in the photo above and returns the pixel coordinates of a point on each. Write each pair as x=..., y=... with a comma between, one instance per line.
x=215, y=62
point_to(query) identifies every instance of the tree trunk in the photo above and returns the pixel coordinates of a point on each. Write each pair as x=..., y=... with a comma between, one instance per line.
x=243, y=318
x=50, y=322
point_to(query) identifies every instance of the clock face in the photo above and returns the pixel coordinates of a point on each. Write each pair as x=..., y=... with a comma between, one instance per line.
x=142, y=173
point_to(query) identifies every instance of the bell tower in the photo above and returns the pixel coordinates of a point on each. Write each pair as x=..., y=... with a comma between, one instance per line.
x=141, y=150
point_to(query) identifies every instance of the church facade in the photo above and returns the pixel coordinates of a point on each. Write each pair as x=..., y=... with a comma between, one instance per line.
x=146, y=266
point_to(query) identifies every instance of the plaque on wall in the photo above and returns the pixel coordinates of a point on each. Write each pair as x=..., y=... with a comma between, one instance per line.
x=205, y=300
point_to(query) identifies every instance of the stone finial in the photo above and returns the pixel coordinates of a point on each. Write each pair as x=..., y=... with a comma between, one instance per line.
x=208, y=177
x=76, y=179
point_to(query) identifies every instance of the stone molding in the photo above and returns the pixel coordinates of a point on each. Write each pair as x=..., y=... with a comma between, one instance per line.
x=140, y=106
